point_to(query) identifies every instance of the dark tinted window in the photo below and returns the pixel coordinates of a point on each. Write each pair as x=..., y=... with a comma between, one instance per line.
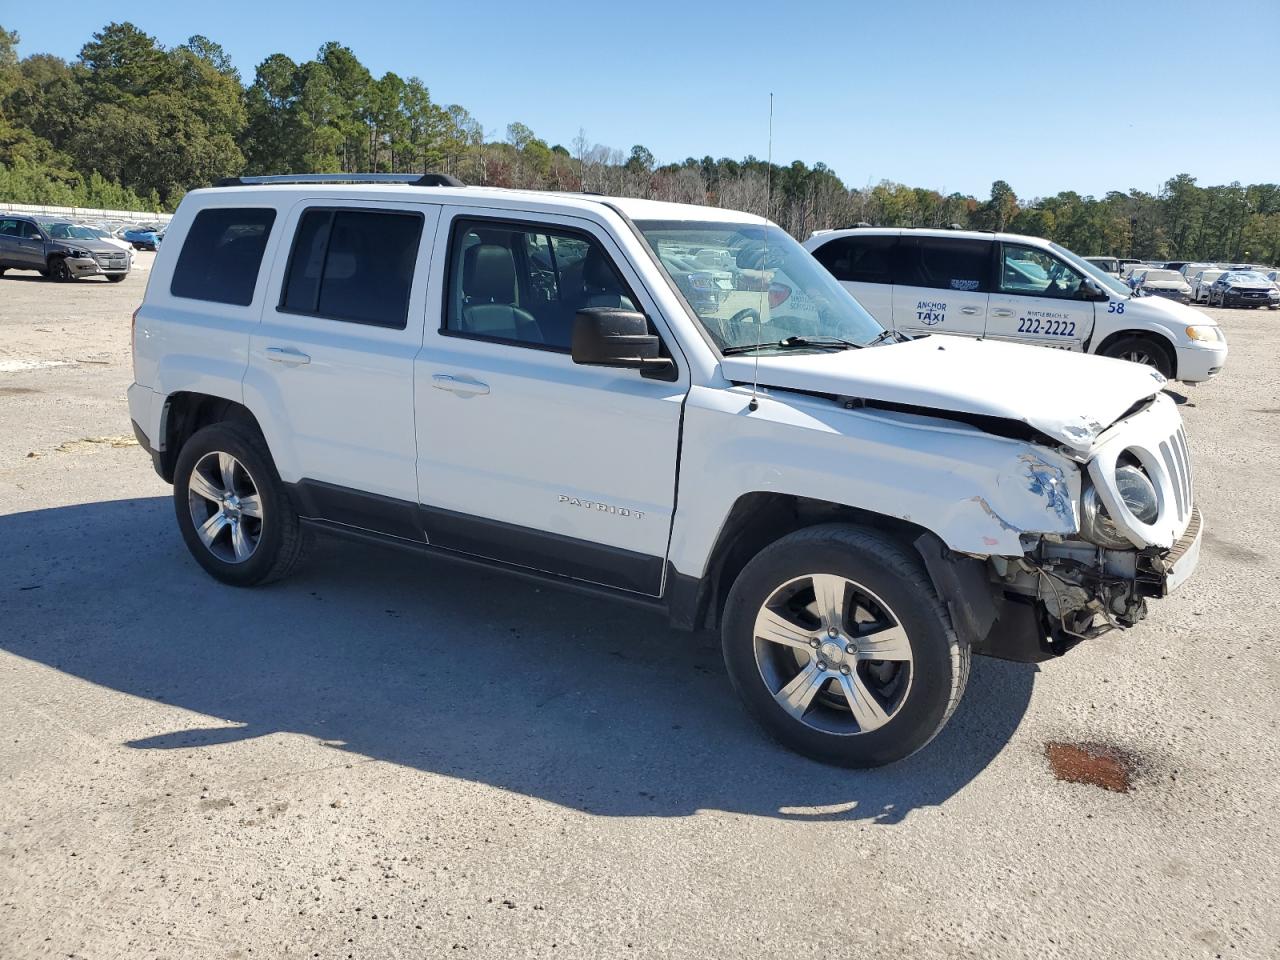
x=9, y=228
x=858, y=259
x=354, y=265
x=221, y=255
x=945, y=263
x=524, y=284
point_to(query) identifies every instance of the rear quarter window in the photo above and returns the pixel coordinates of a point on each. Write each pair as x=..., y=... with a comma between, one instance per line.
x=222, y=254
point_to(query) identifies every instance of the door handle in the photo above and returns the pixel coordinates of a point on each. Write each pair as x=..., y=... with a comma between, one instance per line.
x=461, y=386
x=1002, y=313
x=969, y=310
x=288, y=356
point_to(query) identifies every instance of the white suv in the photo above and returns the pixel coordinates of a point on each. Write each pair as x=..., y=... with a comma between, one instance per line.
x=671, y=405
x=1010, y=287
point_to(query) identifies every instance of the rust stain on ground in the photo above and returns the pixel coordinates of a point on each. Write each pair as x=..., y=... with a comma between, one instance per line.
x=1097, y=764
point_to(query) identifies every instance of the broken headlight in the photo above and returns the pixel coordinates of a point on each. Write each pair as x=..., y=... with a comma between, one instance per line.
x=1138, y=494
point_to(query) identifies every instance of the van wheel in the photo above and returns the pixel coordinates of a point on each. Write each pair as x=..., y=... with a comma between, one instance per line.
x=1142, y=350
x=838, y=645
x=233, y=510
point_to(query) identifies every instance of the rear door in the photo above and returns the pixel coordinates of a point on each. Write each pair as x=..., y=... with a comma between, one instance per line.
x=864, y=266
x=331, y=362
x=1038, y=300
x=941, y=285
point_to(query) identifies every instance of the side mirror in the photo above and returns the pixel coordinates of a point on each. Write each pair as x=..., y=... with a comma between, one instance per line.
x=1089, y=290
x=613, y=337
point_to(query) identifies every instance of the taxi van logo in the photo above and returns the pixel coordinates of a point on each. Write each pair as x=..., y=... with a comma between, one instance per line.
x=931, y=312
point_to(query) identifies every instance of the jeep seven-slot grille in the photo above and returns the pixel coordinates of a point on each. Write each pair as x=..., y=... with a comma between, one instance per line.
x=1178, y=462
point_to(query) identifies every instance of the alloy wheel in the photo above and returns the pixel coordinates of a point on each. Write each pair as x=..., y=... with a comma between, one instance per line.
x=833, y=654
x=226, y=507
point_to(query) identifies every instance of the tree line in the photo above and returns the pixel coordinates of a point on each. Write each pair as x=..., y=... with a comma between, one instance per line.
x=133, y=124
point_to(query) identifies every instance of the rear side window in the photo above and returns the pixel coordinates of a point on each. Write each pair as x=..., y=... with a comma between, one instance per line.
x=858, y=259
x=222, y=253
x=945, y=263
x=353, y=265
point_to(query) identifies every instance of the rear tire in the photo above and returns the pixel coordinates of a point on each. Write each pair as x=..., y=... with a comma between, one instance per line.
x=812, y=679
x=1144, y=350
x=234, y=512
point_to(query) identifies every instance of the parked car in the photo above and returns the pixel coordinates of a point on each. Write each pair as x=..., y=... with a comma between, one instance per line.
x=26, y=244
x=1191, y=268
x=1244, y=288
x=855, y=512
x=1162, y=283
x=63, y=230
x=1201, y=284
x=1128, y=263
x=1106, y=264
x=143, y=237
x=1010, y=287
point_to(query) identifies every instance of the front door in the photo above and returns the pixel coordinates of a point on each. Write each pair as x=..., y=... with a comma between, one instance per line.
x=941, y=285
x=1038, y=300
x=523, y=455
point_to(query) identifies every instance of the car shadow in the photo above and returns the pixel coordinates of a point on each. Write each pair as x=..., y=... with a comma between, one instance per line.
x=446, y=669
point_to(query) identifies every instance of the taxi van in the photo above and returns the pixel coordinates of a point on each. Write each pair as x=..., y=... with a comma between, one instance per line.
x=1002, y=286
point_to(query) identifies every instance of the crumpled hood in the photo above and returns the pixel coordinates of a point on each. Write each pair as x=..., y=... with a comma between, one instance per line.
x=1069, y=397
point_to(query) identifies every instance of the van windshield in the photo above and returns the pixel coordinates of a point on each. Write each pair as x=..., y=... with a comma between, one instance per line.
x=1108, y=282
x=751, y=285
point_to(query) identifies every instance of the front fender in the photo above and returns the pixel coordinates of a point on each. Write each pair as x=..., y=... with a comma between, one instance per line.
x=976, y=492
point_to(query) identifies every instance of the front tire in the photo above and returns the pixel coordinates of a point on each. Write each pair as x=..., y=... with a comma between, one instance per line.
x=59, y=271
x=836, y=641
x=1143, y=350
x=116, y=277
x=232, y=508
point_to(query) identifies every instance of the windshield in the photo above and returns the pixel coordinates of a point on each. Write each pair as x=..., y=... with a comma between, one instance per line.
x=750, y=285
x=1106, y=280
x=1246, y=276
x=69, y=231
x=1165, y=275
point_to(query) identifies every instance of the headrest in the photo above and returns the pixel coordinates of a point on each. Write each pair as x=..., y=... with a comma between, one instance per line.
x=489, y=274
x=596, y=271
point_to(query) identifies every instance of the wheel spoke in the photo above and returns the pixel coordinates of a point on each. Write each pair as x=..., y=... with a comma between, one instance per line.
x=227, y=464
x=828, y=592
x=869, y=714
x=797, y=695
x=202, y=486
x=209, y=530
x=890, y=643
x=239, y=541
x=775, y=628
x=251, y=506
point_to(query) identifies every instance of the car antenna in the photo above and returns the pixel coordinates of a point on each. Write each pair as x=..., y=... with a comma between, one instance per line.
x=754, y=405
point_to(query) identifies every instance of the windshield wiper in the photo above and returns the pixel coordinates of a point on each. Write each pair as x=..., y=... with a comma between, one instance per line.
x=791, y=343
x=884, y=335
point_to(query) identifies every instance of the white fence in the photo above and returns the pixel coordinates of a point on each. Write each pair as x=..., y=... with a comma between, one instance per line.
x=86, y=213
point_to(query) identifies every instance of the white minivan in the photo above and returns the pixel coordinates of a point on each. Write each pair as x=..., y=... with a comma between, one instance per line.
x=1008, y=287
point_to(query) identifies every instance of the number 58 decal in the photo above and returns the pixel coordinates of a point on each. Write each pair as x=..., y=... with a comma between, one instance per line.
x=1115, y=307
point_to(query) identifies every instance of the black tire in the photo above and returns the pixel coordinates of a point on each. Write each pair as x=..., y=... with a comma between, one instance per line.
x=282, y=541
x=1144, y=350
x=116, y=277
x=58, y=271
x=939, y=666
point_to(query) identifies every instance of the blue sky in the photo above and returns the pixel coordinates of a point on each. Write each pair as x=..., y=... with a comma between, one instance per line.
x=1049, y=96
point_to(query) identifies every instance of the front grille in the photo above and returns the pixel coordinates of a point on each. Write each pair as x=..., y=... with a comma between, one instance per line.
x=1177, y=460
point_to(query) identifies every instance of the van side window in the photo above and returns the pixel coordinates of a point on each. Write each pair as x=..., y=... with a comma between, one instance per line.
x=945, y=263
x=859, y=259
x=221, y=255
x=524, y=284
x=353, y=265
x=1032, y=272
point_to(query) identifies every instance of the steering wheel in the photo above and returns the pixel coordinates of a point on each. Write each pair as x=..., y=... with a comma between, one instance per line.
x=746, y=312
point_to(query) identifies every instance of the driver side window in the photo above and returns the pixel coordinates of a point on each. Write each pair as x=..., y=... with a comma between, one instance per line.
x=1032, y=272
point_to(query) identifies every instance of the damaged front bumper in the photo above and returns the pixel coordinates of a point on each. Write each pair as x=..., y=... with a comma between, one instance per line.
x=1064, y=592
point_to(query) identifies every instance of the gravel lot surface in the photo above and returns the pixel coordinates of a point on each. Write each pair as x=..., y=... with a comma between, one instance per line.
x=391, y=756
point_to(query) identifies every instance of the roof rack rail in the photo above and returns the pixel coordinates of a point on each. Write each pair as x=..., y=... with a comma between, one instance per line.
x=409, y=179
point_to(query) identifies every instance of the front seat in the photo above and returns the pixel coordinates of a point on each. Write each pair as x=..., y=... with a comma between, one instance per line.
x=489, y=296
